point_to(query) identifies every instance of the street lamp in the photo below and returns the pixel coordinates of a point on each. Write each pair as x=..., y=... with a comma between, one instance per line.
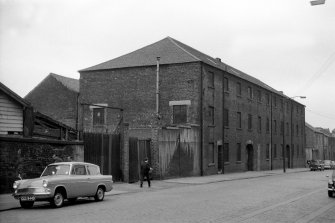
x=284, y=147
x=318, y=2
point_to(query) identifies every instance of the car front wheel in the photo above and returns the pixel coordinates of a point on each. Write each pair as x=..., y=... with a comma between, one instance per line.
x=58, y=200
x=99, y=196
x=26, y=204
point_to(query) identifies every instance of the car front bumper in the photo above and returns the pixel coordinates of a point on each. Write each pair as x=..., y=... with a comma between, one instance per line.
x=38, y=194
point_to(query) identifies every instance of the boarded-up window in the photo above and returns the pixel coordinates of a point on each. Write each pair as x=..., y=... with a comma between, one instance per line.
x=211, y=114
x=226, y=84
x=226, y=117
x=238, y=152
x=238, y=89
x=211, y=152
x=179, y=114
x=226, y=152
x=98, y=116
x=249, y=121
x=238, y=120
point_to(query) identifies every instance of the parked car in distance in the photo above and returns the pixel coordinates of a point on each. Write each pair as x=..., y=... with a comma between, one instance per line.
x=331, y=185
x=316, y=165
x=61, y=181
x=332, y=164
x=327, y=164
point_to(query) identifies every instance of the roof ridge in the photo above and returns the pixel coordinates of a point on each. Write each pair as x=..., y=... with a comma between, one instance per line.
x=62, y=79
x=172, y=40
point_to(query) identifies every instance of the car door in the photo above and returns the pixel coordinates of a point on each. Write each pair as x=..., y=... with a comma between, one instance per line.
x=94, y=178
x=80, y=181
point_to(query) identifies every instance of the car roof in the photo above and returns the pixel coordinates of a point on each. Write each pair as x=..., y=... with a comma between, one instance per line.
x=73, y=162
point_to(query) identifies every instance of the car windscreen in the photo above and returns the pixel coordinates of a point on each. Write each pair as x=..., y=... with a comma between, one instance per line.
x=60, y=169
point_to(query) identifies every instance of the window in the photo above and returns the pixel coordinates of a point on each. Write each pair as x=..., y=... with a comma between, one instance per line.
x=238, y=89
x=275, y=101
x=287, y=129
x=98, y=116
x=281, y=127
x=238, y=152
x=210, y=79
x=281, y=104
x=267, y=98
x=267, y=125
x=78, y=170
x=211, y=152
x=282, y=150
x=179, y=114
x=225, y=117
x=259, y=96
x=297, y=130
x=275, y=126
x=249, y=121
x=267, y=151
x=238, y=120
x=226, y=152
x=225, y=84
x=259, y=124
x=250, y=92
x=297, y=151
x=275, y=151
x=93, y=170
x=211, y=114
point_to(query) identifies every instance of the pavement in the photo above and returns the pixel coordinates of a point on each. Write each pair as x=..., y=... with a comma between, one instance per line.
x=7, y=201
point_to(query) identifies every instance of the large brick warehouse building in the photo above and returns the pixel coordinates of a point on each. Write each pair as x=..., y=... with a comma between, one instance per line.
x=200, y=115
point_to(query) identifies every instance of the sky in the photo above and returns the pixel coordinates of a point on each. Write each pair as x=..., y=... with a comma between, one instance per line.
x=289, y=45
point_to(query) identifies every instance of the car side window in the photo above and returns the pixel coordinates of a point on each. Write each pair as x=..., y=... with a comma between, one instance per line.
x=93, y=170
x=78, y=170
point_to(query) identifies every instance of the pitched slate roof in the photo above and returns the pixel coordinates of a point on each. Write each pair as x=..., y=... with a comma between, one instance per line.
x=172, y=51
x=70, y=83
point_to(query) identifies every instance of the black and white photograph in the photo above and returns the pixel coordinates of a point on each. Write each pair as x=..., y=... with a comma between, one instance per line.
x=179, y=111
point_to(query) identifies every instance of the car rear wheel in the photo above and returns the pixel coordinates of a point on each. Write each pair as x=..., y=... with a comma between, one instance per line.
x=99, y=196
x=26, y=204
x=58, y=200
x=330, y=193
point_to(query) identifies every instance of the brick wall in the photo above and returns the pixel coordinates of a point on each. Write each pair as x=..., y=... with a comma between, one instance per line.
x=55, y=100
x=29, y=158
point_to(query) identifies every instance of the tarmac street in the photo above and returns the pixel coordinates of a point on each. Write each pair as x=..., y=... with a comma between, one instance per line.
x=298, y=195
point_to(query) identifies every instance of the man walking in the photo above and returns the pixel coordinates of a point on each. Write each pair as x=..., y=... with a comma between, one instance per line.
x=145, y=171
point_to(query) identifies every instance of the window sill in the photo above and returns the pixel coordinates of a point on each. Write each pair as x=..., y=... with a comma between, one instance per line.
x=240, y=129
x=211, y=164
x=238, y=162
x=226, y=163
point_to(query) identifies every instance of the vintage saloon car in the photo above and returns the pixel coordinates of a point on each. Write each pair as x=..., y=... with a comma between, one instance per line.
x=331, y=185
x=63, y=180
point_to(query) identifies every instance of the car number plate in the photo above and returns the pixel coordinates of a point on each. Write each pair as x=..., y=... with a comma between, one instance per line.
x=27, y=198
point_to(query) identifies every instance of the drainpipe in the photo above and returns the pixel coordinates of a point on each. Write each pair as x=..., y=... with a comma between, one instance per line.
x=157, y=88
x=201, y=121
x=271, y=143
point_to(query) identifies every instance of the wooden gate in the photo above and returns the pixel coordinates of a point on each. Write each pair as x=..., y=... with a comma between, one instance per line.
x=179, y=152
x=104, y=150
x=138, y=150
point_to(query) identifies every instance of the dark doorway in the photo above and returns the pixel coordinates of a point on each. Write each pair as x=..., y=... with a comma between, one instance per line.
x=250, y=157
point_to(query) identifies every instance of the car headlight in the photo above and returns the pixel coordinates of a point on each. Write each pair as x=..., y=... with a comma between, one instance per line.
x=45, y=183
x=330, y=182
x=15, y=185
